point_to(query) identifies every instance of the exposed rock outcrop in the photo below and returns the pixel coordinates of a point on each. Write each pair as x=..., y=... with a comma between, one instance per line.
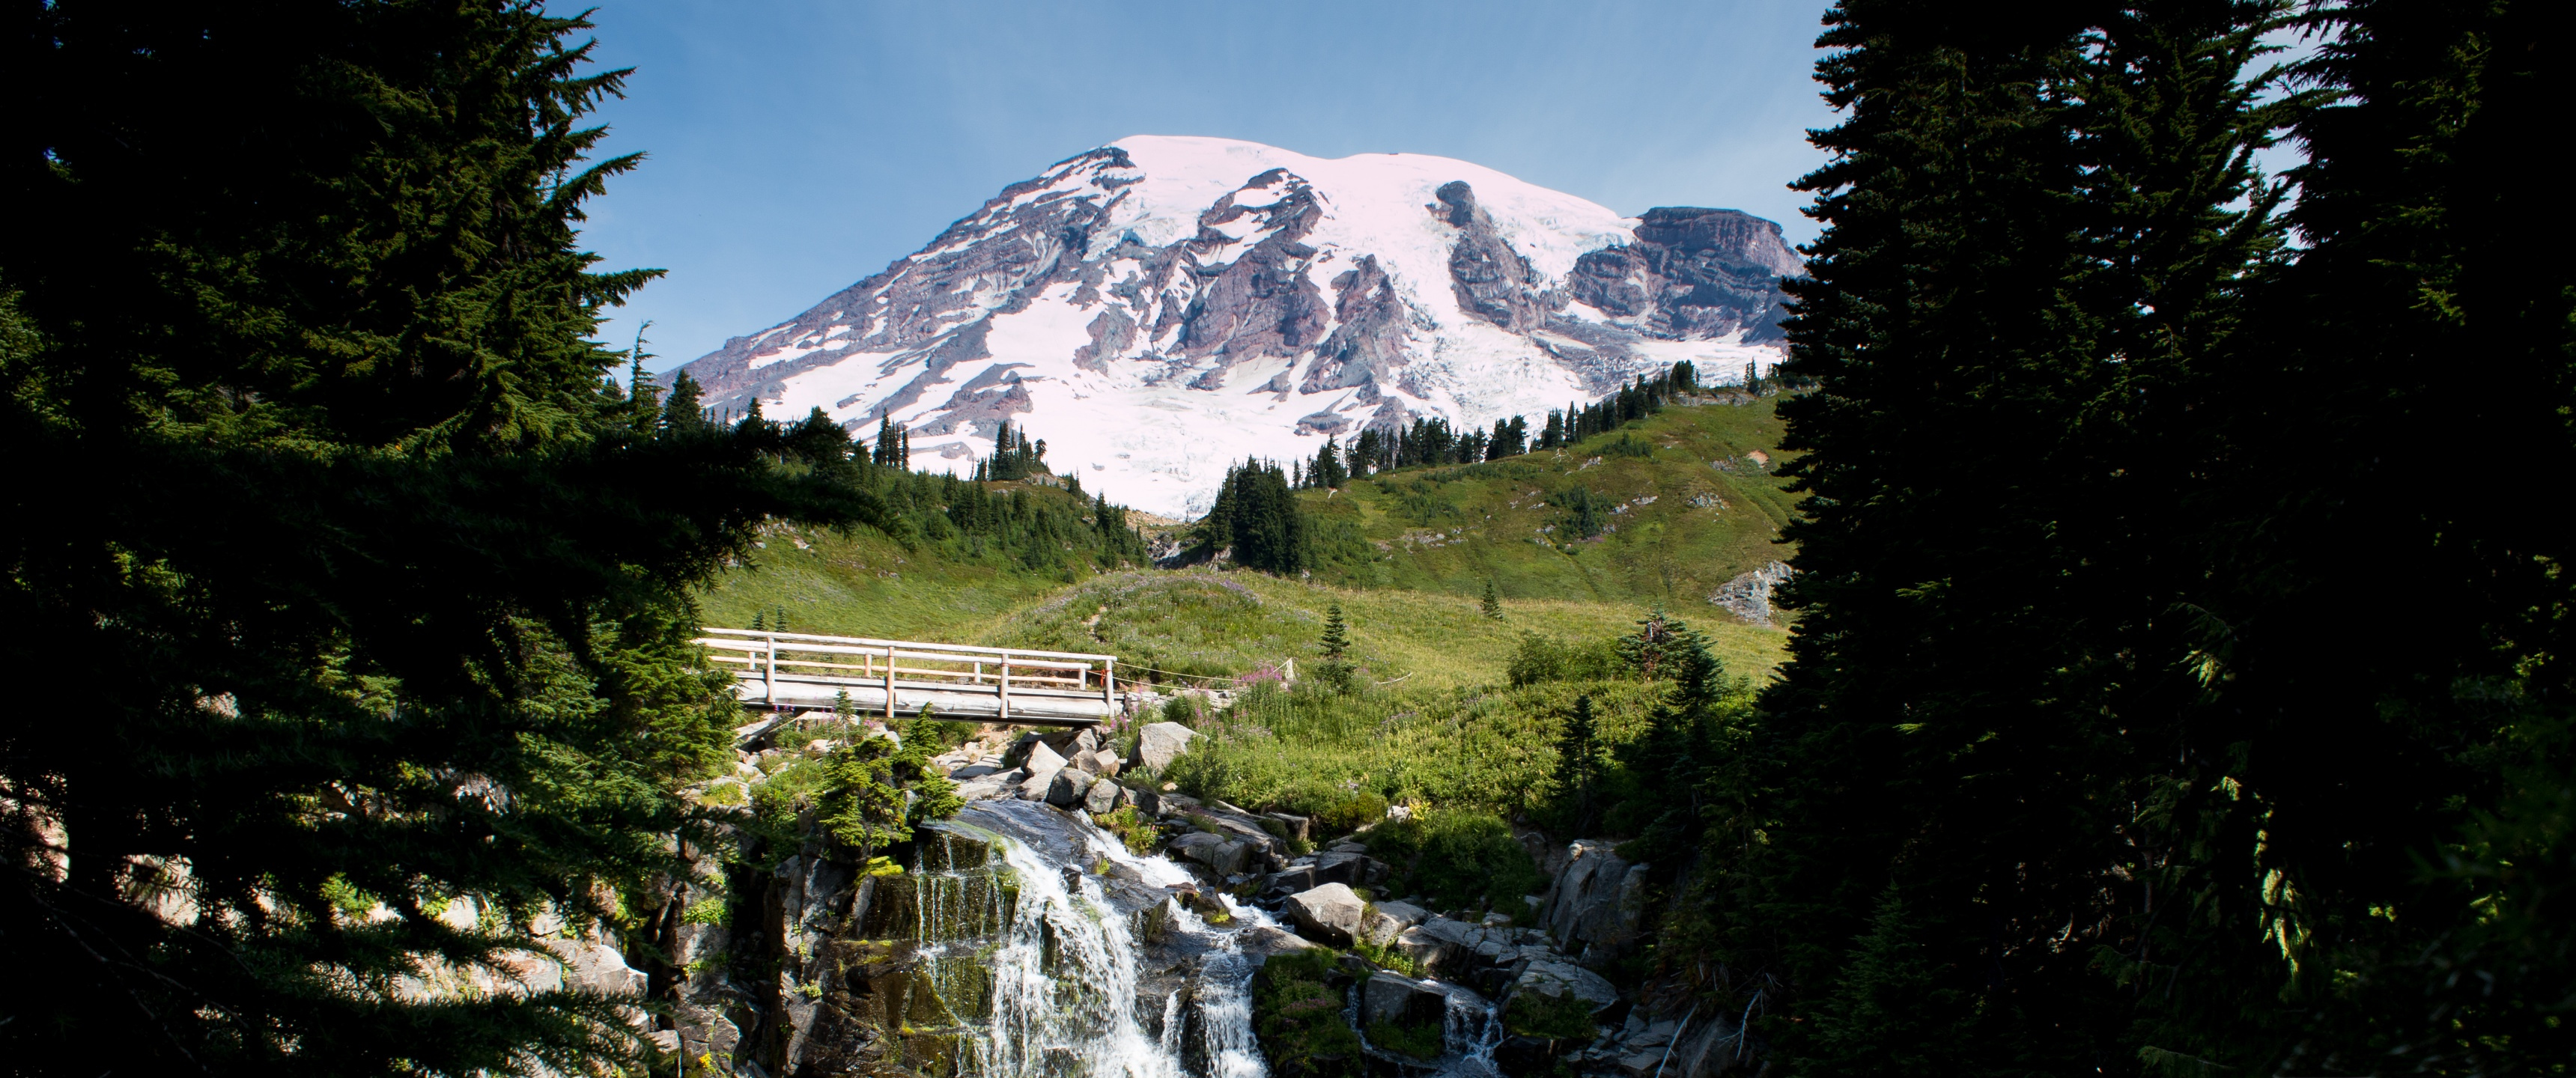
x=1748, y=595
x=1493, y=282
x=1596, y=904
x=1692, y=273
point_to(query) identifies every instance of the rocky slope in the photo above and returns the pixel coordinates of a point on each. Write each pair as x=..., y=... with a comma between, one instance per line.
x=1158, y=307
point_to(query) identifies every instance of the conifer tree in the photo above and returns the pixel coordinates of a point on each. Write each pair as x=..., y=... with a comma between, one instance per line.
x=1336, y=640
x=643, y=396
x=1578, y=766
x=316, y=264
x=2047, y=233
x=682, y=412
x=1492, y=605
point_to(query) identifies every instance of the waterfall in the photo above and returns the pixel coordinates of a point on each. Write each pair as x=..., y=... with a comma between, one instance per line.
x=1064, y=983
x=1034, y=952
x=1470, y=1029
x=1225, y=1008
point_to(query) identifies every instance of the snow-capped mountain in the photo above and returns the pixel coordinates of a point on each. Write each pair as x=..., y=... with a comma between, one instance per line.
x=1159, y=307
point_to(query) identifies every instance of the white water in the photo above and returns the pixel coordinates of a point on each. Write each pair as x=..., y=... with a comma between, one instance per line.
x=1225, y=1007
x=1470, y=1030
x=1077, y=1011
x=1063, y=968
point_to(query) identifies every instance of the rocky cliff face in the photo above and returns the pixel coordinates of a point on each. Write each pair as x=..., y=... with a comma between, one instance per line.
x=1158, y=307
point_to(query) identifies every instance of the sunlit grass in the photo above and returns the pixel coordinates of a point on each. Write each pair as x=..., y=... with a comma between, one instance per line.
x=1202, y=623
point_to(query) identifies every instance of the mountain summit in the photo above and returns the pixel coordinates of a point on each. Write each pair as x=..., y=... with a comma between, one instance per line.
x=1160, y=306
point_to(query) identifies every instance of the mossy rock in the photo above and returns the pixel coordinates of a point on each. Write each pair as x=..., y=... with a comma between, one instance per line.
x=1298, y=1014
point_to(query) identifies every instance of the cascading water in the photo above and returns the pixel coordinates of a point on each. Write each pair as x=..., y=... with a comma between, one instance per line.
x=1470, y=1030
x=1030, y=927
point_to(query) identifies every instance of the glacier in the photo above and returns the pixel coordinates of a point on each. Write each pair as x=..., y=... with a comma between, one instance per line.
x=1162, y=306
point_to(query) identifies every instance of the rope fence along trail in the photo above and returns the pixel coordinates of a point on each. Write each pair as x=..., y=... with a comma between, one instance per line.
x=897, y=678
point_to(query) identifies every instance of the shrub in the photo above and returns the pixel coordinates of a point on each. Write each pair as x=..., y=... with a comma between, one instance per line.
x=1421, y=1040
x=1298, y=1015
x=1353, y=812
x=1459, y=859
x=1132, y=831
x=1309, y=749
x=1388, y=958
x=1539, y=659
x=1537, y=1014
x=1628, y=445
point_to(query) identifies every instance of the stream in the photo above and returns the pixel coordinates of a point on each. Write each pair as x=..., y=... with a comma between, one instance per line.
x=1048, y=949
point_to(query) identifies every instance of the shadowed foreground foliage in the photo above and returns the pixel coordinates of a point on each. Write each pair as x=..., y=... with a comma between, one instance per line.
x=358, y=591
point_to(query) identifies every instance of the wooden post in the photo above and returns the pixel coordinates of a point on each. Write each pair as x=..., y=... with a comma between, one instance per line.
x=1005, y=715
x=769, y=675
x=889, y=686
x=1109, y=685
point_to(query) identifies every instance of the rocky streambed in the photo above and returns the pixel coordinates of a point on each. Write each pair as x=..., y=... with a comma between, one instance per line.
x=1021, y=937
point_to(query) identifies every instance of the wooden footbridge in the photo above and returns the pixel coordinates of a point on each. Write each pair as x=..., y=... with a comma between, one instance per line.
x=897, y=678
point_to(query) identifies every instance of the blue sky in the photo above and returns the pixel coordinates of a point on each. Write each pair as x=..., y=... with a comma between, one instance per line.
x=796, y=147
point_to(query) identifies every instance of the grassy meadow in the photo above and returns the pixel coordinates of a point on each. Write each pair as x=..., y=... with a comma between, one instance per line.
x=1686, y=499
x=1689, y=498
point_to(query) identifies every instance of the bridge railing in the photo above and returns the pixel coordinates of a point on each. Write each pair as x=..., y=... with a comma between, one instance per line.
x=810, y=670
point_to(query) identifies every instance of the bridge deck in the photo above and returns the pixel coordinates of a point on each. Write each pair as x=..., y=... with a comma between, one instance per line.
x=898, y=678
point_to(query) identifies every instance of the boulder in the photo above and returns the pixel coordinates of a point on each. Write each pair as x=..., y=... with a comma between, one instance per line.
x=1244, y=828
x=1389, y=920
x=1104, y=762
x=1342, y=868
x=1596, y=906
x=1329, y=914
x=1454, y=950
x=1041, y=758
x=1088, y=741
x=1558, y=979
x=1225, y=855
x=1103, y=797
x=1290, y=880
x=1263, y=941
x=1393, y=997
x=1299, y=828
x=1068, y=787
x=1355, y=869
x=1158, y=744
x=1347, y=846
x=1002, y=785
x=1042, y=765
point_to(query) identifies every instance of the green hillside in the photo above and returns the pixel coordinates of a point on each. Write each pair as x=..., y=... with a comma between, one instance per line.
x=866, y=583
x=1201, y=622
x=1683, y=500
